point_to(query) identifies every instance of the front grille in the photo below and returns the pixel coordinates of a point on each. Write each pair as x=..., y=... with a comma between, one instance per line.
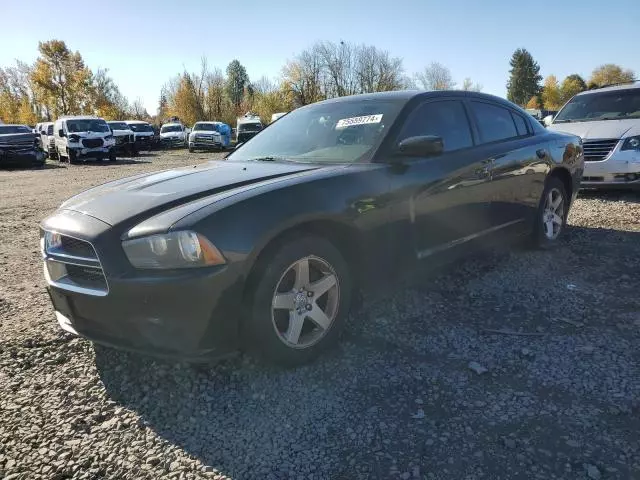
x=76, y=248
x=596, y=150
x=143, y=139
x=92, y=142
x=74, y=265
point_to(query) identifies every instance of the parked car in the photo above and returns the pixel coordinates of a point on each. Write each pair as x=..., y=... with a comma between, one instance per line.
x=173, y=135
x=608, y=121
x=19, y=147
x=82, y=138
x=265, y=249
x=143, y=134
x=124, y=137
x=247, y=127
x=47, y=140
x=276, y=116
x=209, y=135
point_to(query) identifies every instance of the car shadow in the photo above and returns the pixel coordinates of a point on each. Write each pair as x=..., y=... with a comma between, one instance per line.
x=626, y=195
x=244, y=418
x=119, y=161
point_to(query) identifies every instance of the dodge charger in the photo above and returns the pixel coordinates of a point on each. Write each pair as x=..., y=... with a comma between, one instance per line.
x=266, y=249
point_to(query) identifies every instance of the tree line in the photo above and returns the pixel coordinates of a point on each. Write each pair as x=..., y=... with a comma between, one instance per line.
x=525, y=88
x=60, y=83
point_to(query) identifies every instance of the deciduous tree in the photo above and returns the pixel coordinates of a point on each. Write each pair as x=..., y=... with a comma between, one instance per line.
x=551, y=95
x=436, y=77
x=609, y=74
x=571, y=85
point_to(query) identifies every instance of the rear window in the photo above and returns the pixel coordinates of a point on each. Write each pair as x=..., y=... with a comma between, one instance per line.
x=494, y=123
x=521, y=124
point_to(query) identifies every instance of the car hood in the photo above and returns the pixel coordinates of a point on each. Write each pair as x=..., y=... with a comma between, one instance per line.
x=123, y=199
x=172, y=134
x=599, y=129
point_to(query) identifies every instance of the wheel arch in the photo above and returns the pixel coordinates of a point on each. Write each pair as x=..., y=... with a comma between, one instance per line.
x=343, y=236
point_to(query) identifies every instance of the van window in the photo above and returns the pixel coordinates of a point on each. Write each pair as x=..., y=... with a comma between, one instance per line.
x=50, y=130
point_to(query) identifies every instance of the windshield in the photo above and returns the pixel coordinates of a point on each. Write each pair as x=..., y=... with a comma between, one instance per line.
x=118, y=126
x=7, y=129
x=88, y=125
x=614, y=105
x=50, y=130
x=250, y=127
x=140, y=127
x=171, y=128
x=336, y=132
x=204, y=127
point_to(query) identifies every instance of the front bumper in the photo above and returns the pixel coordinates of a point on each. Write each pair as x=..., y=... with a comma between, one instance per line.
x=172, y=142
x=97, y=152
x=181, y=317
x=620, y=169
x=21, y=158
x=205, y=144
x=188, y=314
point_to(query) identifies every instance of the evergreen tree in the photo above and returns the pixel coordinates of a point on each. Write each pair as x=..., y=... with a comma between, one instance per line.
x=525, y=78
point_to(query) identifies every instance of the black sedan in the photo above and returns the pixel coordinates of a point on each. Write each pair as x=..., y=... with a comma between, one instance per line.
x=19, y=147
x=265, y=250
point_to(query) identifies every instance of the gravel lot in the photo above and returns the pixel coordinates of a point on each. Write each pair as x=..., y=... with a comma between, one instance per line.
x=418, y=389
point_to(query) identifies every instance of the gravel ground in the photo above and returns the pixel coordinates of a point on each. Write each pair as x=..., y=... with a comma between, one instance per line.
x=421, y=387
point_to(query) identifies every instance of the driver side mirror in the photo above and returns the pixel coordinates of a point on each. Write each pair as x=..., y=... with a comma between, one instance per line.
x=548, y=120
x=61, y=133
x=421, y=146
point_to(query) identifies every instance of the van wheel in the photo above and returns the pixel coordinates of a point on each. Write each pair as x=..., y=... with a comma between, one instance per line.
x=112, y=156
x=300, y=301
x=71, y=155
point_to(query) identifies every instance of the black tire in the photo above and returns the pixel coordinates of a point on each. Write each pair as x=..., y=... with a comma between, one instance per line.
x=190, y=149
x=541, y=238
x=134, y=151
x=260, y=325
x=112, y=156
x=71, y=155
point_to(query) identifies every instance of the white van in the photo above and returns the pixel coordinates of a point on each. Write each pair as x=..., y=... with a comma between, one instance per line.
x=82, y=137
x=608, y=120
x=47, y=140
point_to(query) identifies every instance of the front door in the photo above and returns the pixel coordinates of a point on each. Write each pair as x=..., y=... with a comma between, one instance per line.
x=443, y=200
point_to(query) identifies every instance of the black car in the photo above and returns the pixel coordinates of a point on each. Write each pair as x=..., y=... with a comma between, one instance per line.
x=266, y=249
x=20, y=147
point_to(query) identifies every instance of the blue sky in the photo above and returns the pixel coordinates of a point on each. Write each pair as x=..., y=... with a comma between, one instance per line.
x=143, y=43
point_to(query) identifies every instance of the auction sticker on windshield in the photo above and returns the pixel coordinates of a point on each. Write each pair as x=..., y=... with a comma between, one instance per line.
x=364, y=120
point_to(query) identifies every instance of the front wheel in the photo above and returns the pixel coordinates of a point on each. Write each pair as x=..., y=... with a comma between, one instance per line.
x=300, y=301
x=552, y=214
x=71, y=155
x=112, y=155
x=190, y=149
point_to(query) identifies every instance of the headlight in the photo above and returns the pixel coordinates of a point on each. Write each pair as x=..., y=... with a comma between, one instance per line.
x=74, y=138
x=182, y=249
x=52, y=240
x=631, y=143
x=109, y=137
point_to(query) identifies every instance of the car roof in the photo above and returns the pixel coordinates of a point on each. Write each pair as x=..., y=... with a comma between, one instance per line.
x=136, y=121
x=612, y=88
x=79, y=117
x=14, y=125
x=172, y=123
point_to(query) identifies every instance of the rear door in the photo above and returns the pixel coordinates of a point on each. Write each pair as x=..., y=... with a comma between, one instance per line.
x=517, y=158
x=445, y=199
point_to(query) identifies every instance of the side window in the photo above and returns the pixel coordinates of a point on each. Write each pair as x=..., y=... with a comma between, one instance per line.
x=446, y=119
x=494, y=122
x=521, y=125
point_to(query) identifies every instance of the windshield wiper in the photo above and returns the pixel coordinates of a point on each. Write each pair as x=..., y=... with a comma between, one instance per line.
x=268, y=159
x=564, y=121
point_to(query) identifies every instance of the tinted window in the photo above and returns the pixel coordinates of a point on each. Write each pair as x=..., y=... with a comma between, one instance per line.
x=494, y=123
x=521, y=125
x=447, y=120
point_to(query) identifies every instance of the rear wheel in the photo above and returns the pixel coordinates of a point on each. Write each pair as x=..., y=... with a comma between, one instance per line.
x=300, y=301
x=552, y=214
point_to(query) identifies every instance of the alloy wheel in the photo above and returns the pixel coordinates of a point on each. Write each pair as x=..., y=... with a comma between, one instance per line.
x=553, y=214
x=305, y=302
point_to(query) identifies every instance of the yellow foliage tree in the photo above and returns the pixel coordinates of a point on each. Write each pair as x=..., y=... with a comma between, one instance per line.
x=61, y=79
x=609, y=74
x=534, y=103
x=551, y=93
